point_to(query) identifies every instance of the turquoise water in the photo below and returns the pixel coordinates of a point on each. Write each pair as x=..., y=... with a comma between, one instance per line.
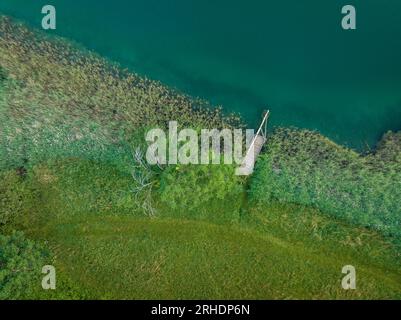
x=290, y=55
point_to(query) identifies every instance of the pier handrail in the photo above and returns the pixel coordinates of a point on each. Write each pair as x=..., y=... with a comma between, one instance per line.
x=264, y=121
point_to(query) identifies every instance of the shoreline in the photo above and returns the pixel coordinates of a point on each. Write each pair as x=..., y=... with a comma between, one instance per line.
x=114, y=68
x=81, y=49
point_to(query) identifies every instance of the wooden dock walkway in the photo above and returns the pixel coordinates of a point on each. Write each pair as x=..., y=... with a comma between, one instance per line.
x=254, y=149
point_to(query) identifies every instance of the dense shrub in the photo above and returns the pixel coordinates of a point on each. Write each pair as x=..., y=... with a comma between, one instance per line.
x=191, y=188
x=16, y=200
x=21, y=263
x=305, y=168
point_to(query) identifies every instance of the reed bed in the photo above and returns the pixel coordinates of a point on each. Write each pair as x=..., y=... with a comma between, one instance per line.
x=306, y=168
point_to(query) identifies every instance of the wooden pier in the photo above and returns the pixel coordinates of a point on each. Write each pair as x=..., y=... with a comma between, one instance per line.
x=254, y=149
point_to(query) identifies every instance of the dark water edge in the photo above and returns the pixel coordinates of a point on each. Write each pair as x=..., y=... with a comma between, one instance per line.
x=308, y=71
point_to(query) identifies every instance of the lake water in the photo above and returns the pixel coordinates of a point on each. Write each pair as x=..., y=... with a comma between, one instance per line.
x=289, y=55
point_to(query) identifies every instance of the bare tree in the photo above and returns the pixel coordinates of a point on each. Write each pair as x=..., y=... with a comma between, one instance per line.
x=144, y=178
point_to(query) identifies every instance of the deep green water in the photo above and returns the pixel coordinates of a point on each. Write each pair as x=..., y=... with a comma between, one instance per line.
x=290, y=55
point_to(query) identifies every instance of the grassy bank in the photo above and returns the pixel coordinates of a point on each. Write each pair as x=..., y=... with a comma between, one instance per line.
x=103, y=248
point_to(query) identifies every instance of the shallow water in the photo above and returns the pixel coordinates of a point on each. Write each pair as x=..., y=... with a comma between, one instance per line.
x=290, y=56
